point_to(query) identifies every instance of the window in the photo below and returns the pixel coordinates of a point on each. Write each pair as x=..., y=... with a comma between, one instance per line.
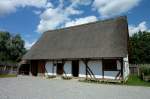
x=109, y=64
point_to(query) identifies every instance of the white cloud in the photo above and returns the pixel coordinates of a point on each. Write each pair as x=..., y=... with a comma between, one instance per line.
x=49, y=5
x=140, y=27
x=72, y=11
x=9, y=6
x=55, y=17
x=6, y=7
x=82, y=2
x=37, y=12
x=108, y=8
x=51, y=19
x=28, y=45
x=79, y=21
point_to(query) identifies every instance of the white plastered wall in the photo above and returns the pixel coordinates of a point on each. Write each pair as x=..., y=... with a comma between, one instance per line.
x=125, y=67
x=82, y=68
x=110, y=74
x=49, y=68
x=68, y=68
x=96, y=67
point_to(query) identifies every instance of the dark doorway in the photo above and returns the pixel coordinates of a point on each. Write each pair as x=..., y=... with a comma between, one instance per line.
x=75, y=68
x=24, y=69
x=59, y=68
x=34, y=68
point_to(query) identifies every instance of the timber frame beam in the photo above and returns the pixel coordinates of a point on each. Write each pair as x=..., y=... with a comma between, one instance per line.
x=88, y=70
x=122, y=68
x=102, y=69
x=86, y=64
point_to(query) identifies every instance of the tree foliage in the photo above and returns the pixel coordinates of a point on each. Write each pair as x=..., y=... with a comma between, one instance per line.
x=11, y=47
x=139, y=48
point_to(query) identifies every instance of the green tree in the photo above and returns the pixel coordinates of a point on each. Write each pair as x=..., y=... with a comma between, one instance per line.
x=11, y=47
x=139, y=47
x=16, y=48
x=4, y=39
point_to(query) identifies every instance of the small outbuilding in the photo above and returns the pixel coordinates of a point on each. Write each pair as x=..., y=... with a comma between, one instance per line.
x=97, y=50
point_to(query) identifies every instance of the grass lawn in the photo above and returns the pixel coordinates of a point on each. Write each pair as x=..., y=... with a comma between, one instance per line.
x=136, y=81
x=7, y=75
x=133, y=80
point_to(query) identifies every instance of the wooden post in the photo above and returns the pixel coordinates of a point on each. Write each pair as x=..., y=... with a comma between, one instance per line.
x=30, y=72
x=53, y=68
x=5, y=68
x=43, y=67
x=122, y=69
x=86, y=72
x=86, y=69
x=102, y=69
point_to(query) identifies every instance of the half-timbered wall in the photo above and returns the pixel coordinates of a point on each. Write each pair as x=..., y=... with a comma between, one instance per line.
x=113, y=74
x=50, y=68
x=96, y=68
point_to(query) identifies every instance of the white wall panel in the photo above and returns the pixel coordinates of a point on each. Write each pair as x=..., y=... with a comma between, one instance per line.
x=96, y=68
x=49, y=68
x=68, y=68
x=110, y=74
x=82, y=68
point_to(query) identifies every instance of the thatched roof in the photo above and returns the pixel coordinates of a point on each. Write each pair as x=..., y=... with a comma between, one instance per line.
x=99, y=39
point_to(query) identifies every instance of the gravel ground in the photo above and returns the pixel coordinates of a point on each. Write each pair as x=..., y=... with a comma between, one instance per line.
x=42, y=88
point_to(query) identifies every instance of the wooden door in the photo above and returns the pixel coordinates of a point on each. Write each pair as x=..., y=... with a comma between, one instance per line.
x=59, y=68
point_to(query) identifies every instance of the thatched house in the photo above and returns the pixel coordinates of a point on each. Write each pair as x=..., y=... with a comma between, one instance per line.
x=95, y=50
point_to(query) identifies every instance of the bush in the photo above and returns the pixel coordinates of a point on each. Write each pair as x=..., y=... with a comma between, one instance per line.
x=145, y=69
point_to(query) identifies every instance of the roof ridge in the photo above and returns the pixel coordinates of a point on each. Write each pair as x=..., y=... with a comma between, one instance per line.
x=99, y=21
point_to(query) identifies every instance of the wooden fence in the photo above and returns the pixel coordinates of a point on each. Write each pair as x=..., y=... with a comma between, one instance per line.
x=134, y=69
x=8, y=68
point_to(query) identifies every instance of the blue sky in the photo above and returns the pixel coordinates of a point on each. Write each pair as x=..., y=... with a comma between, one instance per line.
x=30, y=18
